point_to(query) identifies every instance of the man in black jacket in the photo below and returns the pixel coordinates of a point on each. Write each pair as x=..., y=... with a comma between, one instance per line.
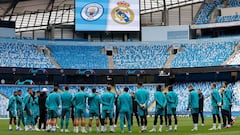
x=134, y=109
x=201, y=102
x=43, y=109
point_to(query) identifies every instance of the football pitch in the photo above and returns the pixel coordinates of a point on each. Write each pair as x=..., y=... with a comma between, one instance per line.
x=184, y=128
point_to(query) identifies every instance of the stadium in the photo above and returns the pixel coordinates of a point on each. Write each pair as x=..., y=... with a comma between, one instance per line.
x=120, y=43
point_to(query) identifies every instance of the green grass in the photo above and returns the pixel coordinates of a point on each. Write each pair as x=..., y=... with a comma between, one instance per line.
x=184, y=128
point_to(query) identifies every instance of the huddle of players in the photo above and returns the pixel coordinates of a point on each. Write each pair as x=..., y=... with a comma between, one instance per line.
x=220, y=100
x=101, y=108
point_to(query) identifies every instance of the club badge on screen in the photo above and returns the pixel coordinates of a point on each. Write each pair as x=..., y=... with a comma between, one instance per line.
x=92, y=11
x=122, y=14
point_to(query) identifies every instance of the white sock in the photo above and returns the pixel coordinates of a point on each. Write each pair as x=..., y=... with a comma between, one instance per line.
x=54, y=128
x=10, y=126
x=160, y=126
x=102, y=128
x=82, y=129
x=214, y=125
x=97, y=129
x=50, y=127
x=196, y=126
x=105, y=127
x=154, y=126
x=76, y=129
x=175, y=127
x=170, y=127
x=90, y=129
x=112, y=128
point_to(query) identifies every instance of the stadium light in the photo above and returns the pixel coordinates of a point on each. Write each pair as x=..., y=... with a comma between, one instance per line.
x=46, y=82
x=2, y=81
x=163, y=73
x=14, y=70
x=62, y=71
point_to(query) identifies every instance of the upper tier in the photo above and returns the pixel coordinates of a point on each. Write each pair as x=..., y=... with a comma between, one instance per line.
x=126, y=55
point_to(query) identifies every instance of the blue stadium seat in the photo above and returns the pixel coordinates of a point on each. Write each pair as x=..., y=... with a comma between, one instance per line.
x=79, y=57
x=15, y=53
x=206, y=10
x=7, y=90
x=234, y=3
x=141, y=55
x=3, y=107
x=204, y=53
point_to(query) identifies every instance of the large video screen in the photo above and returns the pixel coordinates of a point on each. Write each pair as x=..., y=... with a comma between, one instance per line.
x=107, y=15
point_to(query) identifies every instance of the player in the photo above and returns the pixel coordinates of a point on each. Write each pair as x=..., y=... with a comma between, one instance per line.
x=66, y=98
x=94, y=103
x=161, y=102
x=79, y=102
x=117, y=109
x=43, y=110
x=12, y=111
x=229, y=97
x=35, y=111
x=142, y=98
x=227, y=101
x=215, y=103
x=107, y=100
x=52, y=105
x=193, y=105
x=20, y=109
x=125, y=107
x=172, y=102
x=28, y=101
x=201, y=104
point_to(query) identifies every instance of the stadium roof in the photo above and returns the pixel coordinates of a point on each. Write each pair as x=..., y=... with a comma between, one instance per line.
x=13, y=7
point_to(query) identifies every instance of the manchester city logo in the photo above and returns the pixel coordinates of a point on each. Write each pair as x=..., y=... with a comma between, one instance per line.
x=92, y=11
x=122, y=14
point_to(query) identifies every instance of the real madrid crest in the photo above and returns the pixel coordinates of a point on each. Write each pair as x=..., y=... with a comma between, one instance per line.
x=122, y=14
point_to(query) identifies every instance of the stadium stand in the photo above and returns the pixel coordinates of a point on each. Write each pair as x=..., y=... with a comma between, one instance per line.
x=130, y=55
x=204, y=53
x=3, y=106
x=179, y=87
x=7, y=90
x=145, y=55
x=79, y=57
x=15, y=53
x=206, y=10
x=88, y=88
x=222, y=19
x=231, y=3
x=234, y=3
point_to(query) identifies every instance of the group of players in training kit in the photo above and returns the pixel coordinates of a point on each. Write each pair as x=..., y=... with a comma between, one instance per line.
x=28, y=109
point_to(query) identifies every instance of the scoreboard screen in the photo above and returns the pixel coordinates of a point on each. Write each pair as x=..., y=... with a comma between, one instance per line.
x=107, y=15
